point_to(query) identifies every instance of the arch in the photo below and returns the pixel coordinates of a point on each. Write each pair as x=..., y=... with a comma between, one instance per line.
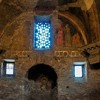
x=75, y=22
x=41, y=70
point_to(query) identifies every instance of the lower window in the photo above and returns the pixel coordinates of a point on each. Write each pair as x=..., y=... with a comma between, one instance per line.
x=80, y=71
x=10, y=68
x=7, y=69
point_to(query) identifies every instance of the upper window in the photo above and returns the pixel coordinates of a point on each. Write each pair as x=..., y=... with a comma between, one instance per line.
x=42, y=32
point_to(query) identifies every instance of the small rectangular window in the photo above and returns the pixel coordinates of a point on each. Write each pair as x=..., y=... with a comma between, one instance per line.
x=78, y=70
x=7, y=69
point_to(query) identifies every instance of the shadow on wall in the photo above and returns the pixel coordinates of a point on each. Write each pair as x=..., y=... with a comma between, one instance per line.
x=95, y=66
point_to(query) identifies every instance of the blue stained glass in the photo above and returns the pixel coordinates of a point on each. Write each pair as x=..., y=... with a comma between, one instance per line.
x=42, y=32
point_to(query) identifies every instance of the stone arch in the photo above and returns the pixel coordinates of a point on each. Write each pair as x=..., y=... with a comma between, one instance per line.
x=76, y=23
x=27, y=16
x=44, y=71
x=41, y=83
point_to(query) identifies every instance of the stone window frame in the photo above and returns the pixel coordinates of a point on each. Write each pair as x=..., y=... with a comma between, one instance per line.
x=78, y=74
x=84, y=72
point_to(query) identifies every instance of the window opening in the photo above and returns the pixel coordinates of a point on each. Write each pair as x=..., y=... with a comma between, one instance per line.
x=42, y=32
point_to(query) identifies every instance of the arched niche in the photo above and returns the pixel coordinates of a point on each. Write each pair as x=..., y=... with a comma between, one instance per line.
x=43, y=72
x=41, y=83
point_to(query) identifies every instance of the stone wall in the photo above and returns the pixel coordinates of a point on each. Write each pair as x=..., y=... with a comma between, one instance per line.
x=17, y=41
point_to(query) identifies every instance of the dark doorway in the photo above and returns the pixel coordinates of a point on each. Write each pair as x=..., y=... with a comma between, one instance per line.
x=42, y=83
x=43, y=72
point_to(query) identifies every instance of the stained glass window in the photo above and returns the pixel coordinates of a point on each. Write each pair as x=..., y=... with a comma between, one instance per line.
x=42, y=32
